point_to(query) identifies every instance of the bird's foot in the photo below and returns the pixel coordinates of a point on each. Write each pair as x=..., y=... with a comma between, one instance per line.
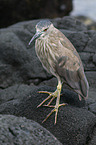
x=52, y=95
x=56, y=107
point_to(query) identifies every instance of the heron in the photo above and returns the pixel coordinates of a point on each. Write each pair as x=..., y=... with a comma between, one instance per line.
x=60, y=58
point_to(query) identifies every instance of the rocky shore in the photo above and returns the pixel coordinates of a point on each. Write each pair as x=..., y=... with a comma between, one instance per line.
x=22, y=76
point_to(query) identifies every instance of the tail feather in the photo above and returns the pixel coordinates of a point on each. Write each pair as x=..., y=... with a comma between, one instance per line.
x=84, y=86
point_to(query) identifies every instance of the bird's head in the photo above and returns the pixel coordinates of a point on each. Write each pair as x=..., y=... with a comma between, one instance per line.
x=42, y=29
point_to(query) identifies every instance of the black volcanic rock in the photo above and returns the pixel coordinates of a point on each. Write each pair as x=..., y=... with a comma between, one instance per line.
x=19, y=130
x=22, y=76
x=74, y=125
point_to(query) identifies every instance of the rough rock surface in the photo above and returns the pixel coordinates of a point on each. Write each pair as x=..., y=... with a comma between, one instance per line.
x=22, y=75
x=19, y=130
x=75, y=123
x=14, y=11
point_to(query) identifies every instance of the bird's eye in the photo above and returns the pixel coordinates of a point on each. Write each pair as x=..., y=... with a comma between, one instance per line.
x=46, y=29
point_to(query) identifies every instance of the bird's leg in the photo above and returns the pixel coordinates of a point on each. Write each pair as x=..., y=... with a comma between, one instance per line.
x=54, y=95
x=56, y=107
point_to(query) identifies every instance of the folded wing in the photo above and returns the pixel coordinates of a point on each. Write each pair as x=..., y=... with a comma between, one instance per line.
x=75, y=78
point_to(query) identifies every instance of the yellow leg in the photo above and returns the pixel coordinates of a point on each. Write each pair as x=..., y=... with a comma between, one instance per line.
x=54, y=95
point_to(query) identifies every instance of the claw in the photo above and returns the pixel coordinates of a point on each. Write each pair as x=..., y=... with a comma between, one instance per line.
x=56, y=116
x=44, y=101
x=63, y=104
x=45, y=92
x=49, y=106
x=50, y=95
x=51, y=100
x=48, y=115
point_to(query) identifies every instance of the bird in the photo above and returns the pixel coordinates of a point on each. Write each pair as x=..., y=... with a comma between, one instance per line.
x=59, y=58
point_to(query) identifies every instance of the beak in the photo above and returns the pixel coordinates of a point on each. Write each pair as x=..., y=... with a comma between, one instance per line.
x=35, y=36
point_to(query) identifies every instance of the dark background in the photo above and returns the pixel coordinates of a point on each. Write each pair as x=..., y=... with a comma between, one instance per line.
x=12, y=11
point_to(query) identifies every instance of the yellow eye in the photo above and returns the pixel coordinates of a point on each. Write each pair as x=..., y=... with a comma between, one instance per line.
x=46, y=29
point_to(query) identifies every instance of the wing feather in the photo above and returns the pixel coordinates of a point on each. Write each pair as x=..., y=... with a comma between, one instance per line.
x=76, y=79
x=68, y=64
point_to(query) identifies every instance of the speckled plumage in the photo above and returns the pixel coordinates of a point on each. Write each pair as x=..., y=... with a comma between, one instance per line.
x=59, y=57
x=54, y=46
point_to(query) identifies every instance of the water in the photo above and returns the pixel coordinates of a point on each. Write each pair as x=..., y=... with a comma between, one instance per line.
x=84, y=8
